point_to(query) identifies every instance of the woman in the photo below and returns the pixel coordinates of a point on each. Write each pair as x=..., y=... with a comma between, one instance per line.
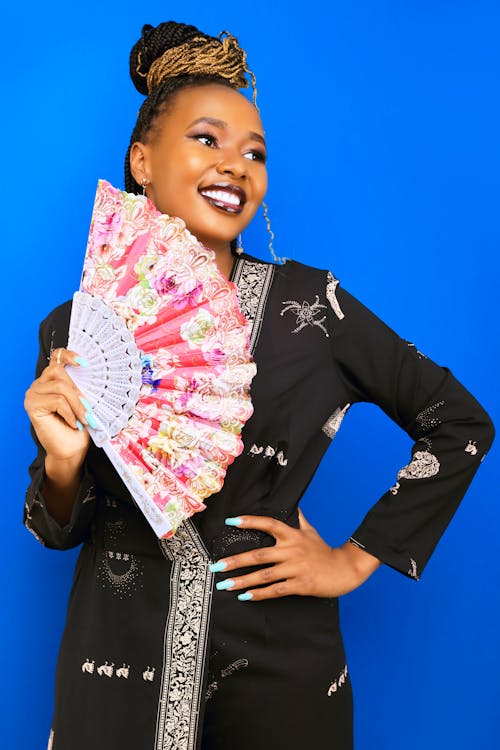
x=227, y=635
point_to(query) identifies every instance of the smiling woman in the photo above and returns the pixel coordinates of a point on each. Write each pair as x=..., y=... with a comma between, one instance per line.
x=226, y=636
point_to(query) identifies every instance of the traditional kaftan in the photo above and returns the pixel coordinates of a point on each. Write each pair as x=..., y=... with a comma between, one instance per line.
x=152, y=656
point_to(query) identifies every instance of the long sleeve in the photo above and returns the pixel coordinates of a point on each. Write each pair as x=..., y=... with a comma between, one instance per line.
x=452, y=432
x=37, y=519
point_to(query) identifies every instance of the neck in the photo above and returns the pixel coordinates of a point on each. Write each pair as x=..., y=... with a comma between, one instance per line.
x=223, y=258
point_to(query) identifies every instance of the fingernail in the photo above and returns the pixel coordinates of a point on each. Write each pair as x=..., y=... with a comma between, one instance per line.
x=217, y=567
x=223, y=585
x=86, y=404
x=232, y=521
x=81, y=361
x=91, y=420
x=245, y=597
x=79, y=425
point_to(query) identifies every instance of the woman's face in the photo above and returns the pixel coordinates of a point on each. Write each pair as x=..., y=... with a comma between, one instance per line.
x=205, y=162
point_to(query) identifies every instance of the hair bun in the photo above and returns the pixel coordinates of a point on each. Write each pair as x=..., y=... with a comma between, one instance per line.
x=154, y=41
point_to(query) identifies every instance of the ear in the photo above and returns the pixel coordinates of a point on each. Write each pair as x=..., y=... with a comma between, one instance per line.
x=139, y=162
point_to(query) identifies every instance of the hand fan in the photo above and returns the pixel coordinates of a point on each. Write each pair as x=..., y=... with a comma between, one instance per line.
x=169, y=364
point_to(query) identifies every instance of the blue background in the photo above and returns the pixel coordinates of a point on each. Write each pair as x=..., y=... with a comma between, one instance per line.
x=382, y=122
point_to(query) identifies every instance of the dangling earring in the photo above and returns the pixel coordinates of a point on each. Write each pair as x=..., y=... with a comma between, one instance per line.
x=144, y=184
x=271, y=236
x=239, y=245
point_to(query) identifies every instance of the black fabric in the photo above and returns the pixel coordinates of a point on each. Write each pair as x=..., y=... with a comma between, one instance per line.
x=276, y=672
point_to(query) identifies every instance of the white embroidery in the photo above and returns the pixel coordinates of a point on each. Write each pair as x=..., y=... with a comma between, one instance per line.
x=121, y=572
x=336, y=684
x=234, y=667
x=306, y=314
x=412, y=571
x=268, y=452
x=51, y=740
x=253, y=282
x=471, y=447
x=123, y=671
x=422, y=466
x=332, y=424
x=331, y=287
x=427, y=418
x=106, y=669
x=185, y=642
x=88, y=666
x=149, y=674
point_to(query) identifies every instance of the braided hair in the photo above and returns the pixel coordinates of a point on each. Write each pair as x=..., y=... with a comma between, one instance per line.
x=175, y=56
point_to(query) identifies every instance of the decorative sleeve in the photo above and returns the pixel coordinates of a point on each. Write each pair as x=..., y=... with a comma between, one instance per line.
x=451, y=430
x=37, y=518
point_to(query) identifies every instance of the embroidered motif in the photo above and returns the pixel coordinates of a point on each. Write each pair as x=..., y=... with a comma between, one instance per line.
x=419, y=354
x=51, y=740
x=306, y=314
x=149, y=674
x=185, y=642
x=331, y=286
x=88, y=666
x=106, y=669
x=225, y=672
x=235, y=536
x=354, y=541
x=268, y=452
x=253, y=282
x=471, y=447
x=422, y=466
x=336, y=684
x=427, y=419
x=120, y=571
x=412, y=571
x=332, y=424
x=123, y=671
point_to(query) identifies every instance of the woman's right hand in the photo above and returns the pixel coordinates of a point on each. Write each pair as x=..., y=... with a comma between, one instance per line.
x=54, y=408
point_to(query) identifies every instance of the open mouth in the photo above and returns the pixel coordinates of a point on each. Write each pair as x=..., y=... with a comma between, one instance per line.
x=226, y=197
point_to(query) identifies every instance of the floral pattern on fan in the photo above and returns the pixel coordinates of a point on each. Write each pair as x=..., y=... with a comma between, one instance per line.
x=194, y=360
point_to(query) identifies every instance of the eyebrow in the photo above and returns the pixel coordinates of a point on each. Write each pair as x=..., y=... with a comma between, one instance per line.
x=223, y=126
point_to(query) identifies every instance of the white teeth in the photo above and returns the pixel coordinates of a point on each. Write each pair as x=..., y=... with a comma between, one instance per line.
x=223, y=196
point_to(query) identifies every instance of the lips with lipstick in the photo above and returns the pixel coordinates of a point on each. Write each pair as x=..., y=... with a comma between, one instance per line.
x=227, y=197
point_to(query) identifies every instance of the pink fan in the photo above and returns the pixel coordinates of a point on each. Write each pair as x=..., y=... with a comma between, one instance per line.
x=169, y=365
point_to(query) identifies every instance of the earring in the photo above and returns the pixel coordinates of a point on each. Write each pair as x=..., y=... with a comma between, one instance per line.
x=271, y=236
x=239, y=245
x=144, y=184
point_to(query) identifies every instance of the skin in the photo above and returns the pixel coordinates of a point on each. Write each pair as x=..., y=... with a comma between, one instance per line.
x=181, y=156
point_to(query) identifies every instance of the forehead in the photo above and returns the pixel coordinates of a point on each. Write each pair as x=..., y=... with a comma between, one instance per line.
x=216, y=102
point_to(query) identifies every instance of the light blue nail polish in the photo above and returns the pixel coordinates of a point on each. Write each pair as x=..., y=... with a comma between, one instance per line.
x=245, y=597
x=223, y=585
x=79, y=425
x=232, y=521
x=91, y=420
x=86, y=404
x=217, y=567
x=81, y=361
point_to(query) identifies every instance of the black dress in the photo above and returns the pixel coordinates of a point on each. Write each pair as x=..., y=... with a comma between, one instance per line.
x=152, y=656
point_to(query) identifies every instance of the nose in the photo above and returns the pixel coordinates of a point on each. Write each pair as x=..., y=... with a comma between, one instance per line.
x=232, y=164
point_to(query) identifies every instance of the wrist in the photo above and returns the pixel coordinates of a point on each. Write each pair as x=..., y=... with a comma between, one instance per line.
x=363, y=563
x=63, y=471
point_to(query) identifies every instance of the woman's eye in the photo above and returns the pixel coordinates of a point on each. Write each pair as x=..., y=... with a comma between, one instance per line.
x=206, y=139
x=255, y=156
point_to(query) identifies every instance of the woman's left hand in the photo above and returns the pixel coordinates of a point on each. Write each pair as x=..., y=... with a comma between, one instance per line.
x=300, y=563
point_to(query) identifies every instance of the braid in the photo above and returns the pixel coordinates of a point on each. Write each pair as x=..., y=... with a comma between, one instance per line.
x=174, y=56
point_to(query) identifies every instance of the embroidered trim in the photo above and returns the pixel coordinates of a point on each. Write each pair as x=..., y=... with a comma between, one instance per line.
x=185, y=642
x=253, y=282
x=419, y=354
x=336, y=684
x=306, y=314
x=268, y=452
x=331, y=287
x=332, y=424
x=51, y=740
x=412, y=570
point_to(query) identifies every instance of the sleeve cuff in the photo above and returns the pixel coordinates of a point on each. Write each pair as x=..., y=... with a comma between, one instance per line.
x=400, y=560
x=45, y=528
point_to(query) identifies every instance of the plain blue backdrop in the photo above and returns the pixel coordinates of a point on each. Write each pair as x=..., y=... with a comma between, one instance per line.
x=383, y=126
